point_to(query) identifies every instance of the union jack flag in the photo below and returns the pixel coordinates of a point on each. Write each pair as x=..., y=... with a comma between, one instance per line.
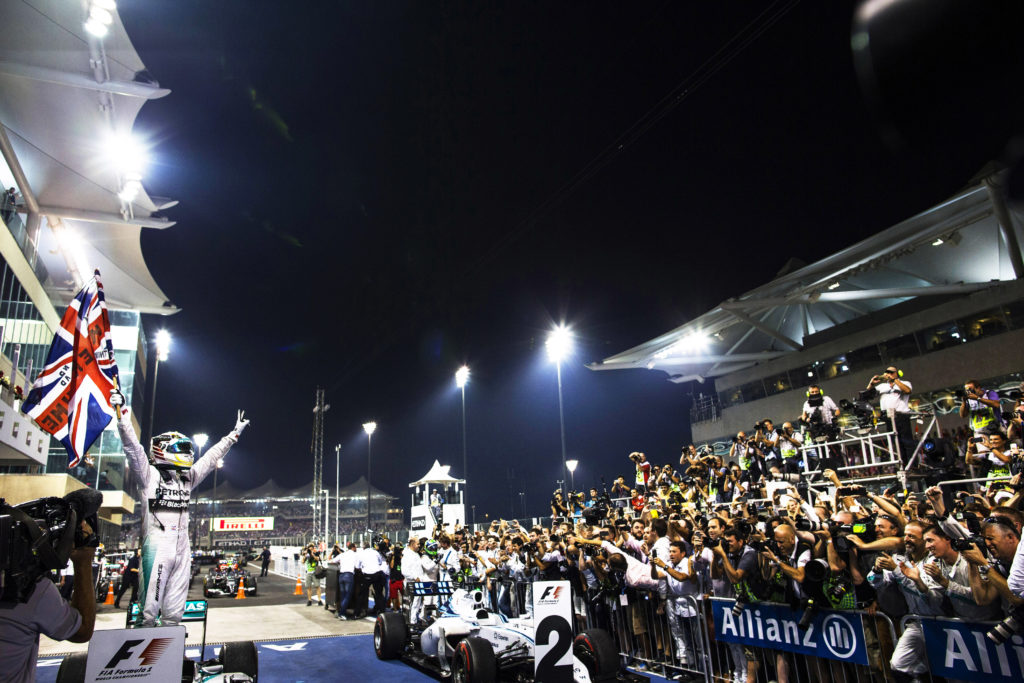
x=70, y=398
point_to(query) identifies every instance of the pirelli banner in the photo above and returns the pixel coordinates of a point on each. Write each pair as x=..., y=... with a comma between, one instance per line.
x=243, y=523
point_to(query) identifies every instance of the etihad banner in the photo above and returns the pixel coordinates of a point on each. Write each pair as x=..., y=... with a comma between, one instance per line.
x=960, y=650
x=830, y=635
x=243, y=523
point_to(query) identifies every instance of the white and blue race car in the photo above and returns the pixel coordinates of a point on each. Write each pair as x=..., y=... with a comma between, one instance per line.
x=464, y=639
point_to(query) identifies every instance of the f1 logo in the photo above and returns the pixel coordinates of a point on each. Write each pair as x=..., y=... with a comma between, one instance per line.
x=148, y=657
x=124, y=653
x=554, y=591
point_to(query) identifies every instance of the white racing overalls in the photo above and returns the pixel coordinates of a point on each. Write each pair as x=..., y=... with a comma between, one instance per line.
x=166, y=552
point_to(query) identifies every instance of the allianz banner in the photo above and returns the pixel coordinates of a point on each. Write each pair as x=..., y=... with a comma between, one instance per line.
x=959, y=649
x=830, y=635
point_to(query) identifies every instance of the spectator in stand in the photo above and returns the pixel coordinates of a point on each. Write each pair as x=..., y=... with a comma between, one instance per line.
x=895, y=400
x=637, y=502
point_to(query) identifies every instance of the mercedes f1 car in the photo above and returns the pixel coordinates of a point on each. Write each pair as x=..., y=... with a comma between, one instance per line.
x=223, y=579
x=462, y=638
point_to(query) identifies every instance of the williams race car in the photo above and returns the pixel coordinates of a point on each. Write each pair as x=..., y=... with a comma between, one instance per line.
x=463, y=639
x=223, y=579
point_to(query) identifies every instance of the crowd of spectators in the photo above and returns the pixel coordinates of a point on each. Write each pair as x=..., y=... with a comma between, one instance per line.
x=774, y=522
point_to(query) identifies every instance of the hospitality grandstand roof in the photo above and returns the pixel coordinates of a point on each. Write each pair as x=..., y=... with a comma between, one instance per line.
x=962, y=245
x=67, y=99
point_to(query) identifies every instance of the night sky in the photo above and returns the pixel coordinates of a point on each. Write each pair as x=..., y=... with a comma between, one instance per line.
x=373, y=193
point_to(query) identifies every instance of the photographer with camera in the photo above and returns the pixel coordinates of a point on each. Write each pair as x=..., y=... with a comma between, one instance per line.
x=746, y=453
x=737, y=563
x=952, y=573
x=982, y=407
x=789, y=443
x=895, y=406
x=30, y=603
x=643, y=471
x=817, y=404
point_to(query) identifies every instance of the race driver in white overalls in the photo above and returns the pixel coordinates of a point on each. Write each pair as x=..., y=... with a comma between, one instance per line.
x=166, y=479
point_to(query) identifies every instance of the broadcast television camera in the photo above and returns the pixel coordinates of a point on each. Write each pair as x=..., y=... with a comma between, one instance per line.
x=38, y=536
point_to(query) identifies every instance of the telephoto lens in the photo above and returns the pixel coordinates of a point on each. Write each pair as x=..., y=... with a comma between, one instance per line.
x=810, y=609
x=738, y=608
x=1011, y=625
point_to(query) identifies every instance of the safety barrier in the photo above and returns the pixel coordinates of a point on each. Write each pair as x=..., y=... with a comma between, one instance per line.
x=943, y=648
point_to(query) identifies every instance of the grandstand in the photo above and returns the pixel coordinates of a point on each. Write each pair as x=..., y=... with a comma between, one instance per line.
x=292, y=512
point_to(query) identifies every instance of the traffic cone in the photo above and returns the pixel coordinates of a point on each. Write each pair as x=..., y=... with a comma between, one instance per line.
x=298, y=586
x=110, y=594
x=241, y=590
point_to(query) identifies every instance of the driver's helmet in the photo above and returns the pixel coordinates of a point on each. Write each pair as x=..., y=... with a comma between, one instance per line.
x=430, y=548
x=172, y=450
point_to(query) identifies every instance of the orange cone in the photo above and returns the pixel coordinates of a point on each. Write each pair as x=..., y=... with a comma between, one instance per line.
x=240, y=595
x=110, y=594
x=298, y=586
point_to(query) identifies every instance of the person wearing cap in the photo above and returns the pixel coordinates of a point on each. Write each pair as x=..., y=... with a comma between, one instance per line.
x=894, y=390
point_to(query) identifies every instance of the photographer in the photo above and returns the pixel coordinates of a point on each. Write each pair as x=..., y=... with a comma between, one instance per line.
x=559, y=510
x=991, y=453
x=790, y=443
x=643, y=471
x=952, y=573
x=44, y=611
x=737, y=563
x=747, y=455
x=982, y=407
x=895, y=406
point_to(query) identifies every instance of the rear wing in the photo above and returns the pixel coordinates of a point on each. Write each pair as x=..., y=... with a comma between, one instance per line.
x=442, y=588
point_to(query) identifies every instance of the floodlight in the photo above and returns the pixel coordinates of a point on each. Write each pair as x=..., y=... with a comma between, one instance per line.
x=369, y=428
x=101, y=15
x=127, y=154
x=163, y=344
x=461, y=376
x=200, y=440
x=559, y=343
x=96, y=28
x=571, y=465
x=108, y=5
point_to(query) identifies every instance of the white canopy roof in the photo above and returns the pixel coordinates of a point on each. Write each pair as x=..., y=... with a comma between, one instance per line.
x=63, y=95
x=438, y=474
x=954, y=248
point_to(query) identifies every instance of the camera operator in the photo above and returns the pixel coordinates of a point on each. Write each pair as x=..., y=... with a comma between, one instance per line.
x=559, y=510
x=767, y=439
x=982, y=407
x=789, y=443
x=46, y=612
x=827, y=408
x=895, y=406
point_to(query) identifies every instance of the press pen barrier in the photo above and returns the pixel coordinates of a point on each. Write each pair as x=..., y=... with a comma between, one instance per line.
x=700, y=638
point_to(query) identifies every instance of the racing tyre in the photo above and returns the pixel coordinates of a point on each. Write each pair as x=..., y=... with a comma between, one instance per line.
x=596, y=650
x=240, y=658
x=72, y=668
x=474, y=662
x=389, y=635
x=255, y=586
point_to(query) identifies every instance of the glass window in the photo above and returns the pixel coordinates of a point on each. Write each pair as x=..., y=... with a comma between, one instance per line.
x=126, y=318
x=837, y=367
x=731, y=397
x=1014, y=313
x=982, y=325
x=804, y=376
x=898, y=348
x=940, y=337
x=777, y=384
x=864, y=359
x=753, y=391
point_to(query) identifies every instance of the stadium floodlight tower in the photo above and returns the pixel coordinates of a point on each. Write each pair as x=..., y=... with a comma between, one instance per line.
x=461, y=377
x=571, y=465
x=162, y=346
x=559, y=347
x=317, y=450
x=369, y=428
